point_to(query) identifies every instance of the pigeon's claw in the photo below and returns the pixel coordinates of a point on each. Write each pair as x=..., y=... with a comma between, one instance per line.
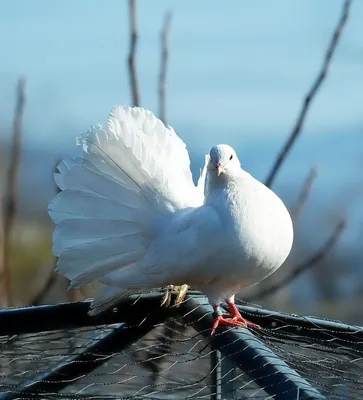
x=221, y=321
x=236, y=316
x=245, y=322
x=166, y=298
x=232, y=319
x=182, y=291
x=181, y=294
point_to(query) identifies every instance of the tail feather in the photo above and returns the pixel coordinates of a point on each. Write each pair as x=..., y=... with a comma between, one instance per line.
x=70, y=233
x=108, y=297
x=75, y=204
x=106, y=151
x=65, y=165
x=86, y=262
x=132, y=278
x=83, y=179
x=133, y=174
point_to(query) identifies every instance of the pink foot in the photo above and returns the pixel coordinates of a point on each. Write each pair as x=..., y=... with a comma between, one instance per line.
x=221, y=321
x=233, y=319
x=236, y=316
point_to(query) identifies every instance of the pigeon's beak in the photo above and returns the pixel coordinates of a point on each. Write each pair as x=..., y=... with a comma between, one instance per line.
x=218, y=169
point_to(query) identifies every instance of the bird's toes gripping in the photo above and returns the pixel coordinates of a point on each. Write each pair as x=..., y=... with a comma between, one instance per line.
x=246, y=323
x=166, y=298
x=243, y=321
x=235, y=315
x=181, y=294
x=182, y=291
x=221, y=319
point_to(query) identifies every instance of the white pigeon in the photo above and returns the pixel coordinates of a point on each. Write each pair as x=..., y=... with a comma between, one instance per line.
x=130, y=217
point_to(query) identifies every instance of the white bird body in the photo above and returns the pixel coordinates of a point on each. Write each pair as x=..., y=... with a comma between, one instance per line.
x=130, y=217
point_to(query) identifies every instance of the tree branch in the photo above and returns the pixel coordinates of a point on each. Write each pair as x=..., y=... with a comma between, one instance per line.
x=38, y=298
x=311, y=94
x=132, y=54
x=11, y=193
x=304, y=194
x=52, y=277
x=299, y=269
x=163, y=66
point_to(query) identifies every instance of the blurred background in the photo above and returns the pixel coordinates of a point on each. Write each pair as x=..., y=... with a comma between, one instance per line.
x=237, y=73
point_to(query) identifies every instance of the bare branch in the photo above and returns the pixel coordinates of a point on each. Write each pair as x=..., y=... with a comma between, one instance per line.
x=163, y=66
x=48, y=284
x=12, y=188
x=38, y=298
x=304, y=194
x=311, y=94
x=299, y=269
x=132, y=54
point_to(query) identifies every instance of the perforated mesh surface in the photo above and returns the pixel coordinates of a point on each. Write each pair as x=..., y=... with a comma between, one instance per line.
x=171, y=362
x=335, y=370
x=174, y=361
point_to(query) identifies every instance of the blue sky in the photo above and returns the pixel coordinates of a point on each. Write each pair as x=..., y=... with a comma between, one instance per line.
x=237, y=72
x=237, y=75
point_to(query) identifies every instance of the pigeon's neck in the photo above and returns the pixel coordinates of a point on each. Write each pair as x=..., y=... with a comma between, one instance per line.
x=223, y=181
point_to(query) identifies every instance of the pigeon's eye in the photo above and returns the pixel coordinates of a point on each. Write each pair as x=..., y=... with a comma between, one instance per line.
x=230, y=158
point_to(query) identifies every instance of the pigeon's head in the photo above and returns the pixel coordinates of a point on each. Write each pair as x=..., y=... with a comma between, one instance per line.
x=223, y=160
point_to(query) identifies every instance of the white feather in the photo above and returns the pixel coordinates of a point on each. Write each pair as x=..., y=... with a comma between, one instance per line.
x=108, y=297
x=133, y=174
x=130, y=217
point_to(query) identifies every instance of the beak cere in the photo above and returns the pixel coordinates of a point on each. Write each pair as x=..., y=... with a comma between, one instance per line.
x=218, y=169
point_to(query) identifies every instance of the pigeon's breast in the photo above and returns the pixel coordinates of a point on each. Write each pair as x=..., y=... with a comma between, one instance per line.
x=257, y=229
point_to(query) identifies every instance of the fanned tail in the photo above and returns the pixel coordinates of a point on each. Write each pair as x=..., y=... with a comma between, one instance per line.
x=133, y=174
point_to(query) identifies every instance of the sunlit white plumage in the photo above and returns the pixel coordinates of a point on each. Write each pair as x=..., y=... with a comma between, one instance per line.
x=129, y=215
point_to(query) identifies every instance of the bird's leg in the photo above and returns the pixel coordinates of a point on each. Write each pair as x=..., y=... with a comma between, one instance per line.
x=236, y=315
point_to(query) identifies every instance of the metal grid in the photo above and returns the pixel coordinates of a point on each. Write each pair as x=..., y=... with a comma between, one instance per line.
x=142, y=350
